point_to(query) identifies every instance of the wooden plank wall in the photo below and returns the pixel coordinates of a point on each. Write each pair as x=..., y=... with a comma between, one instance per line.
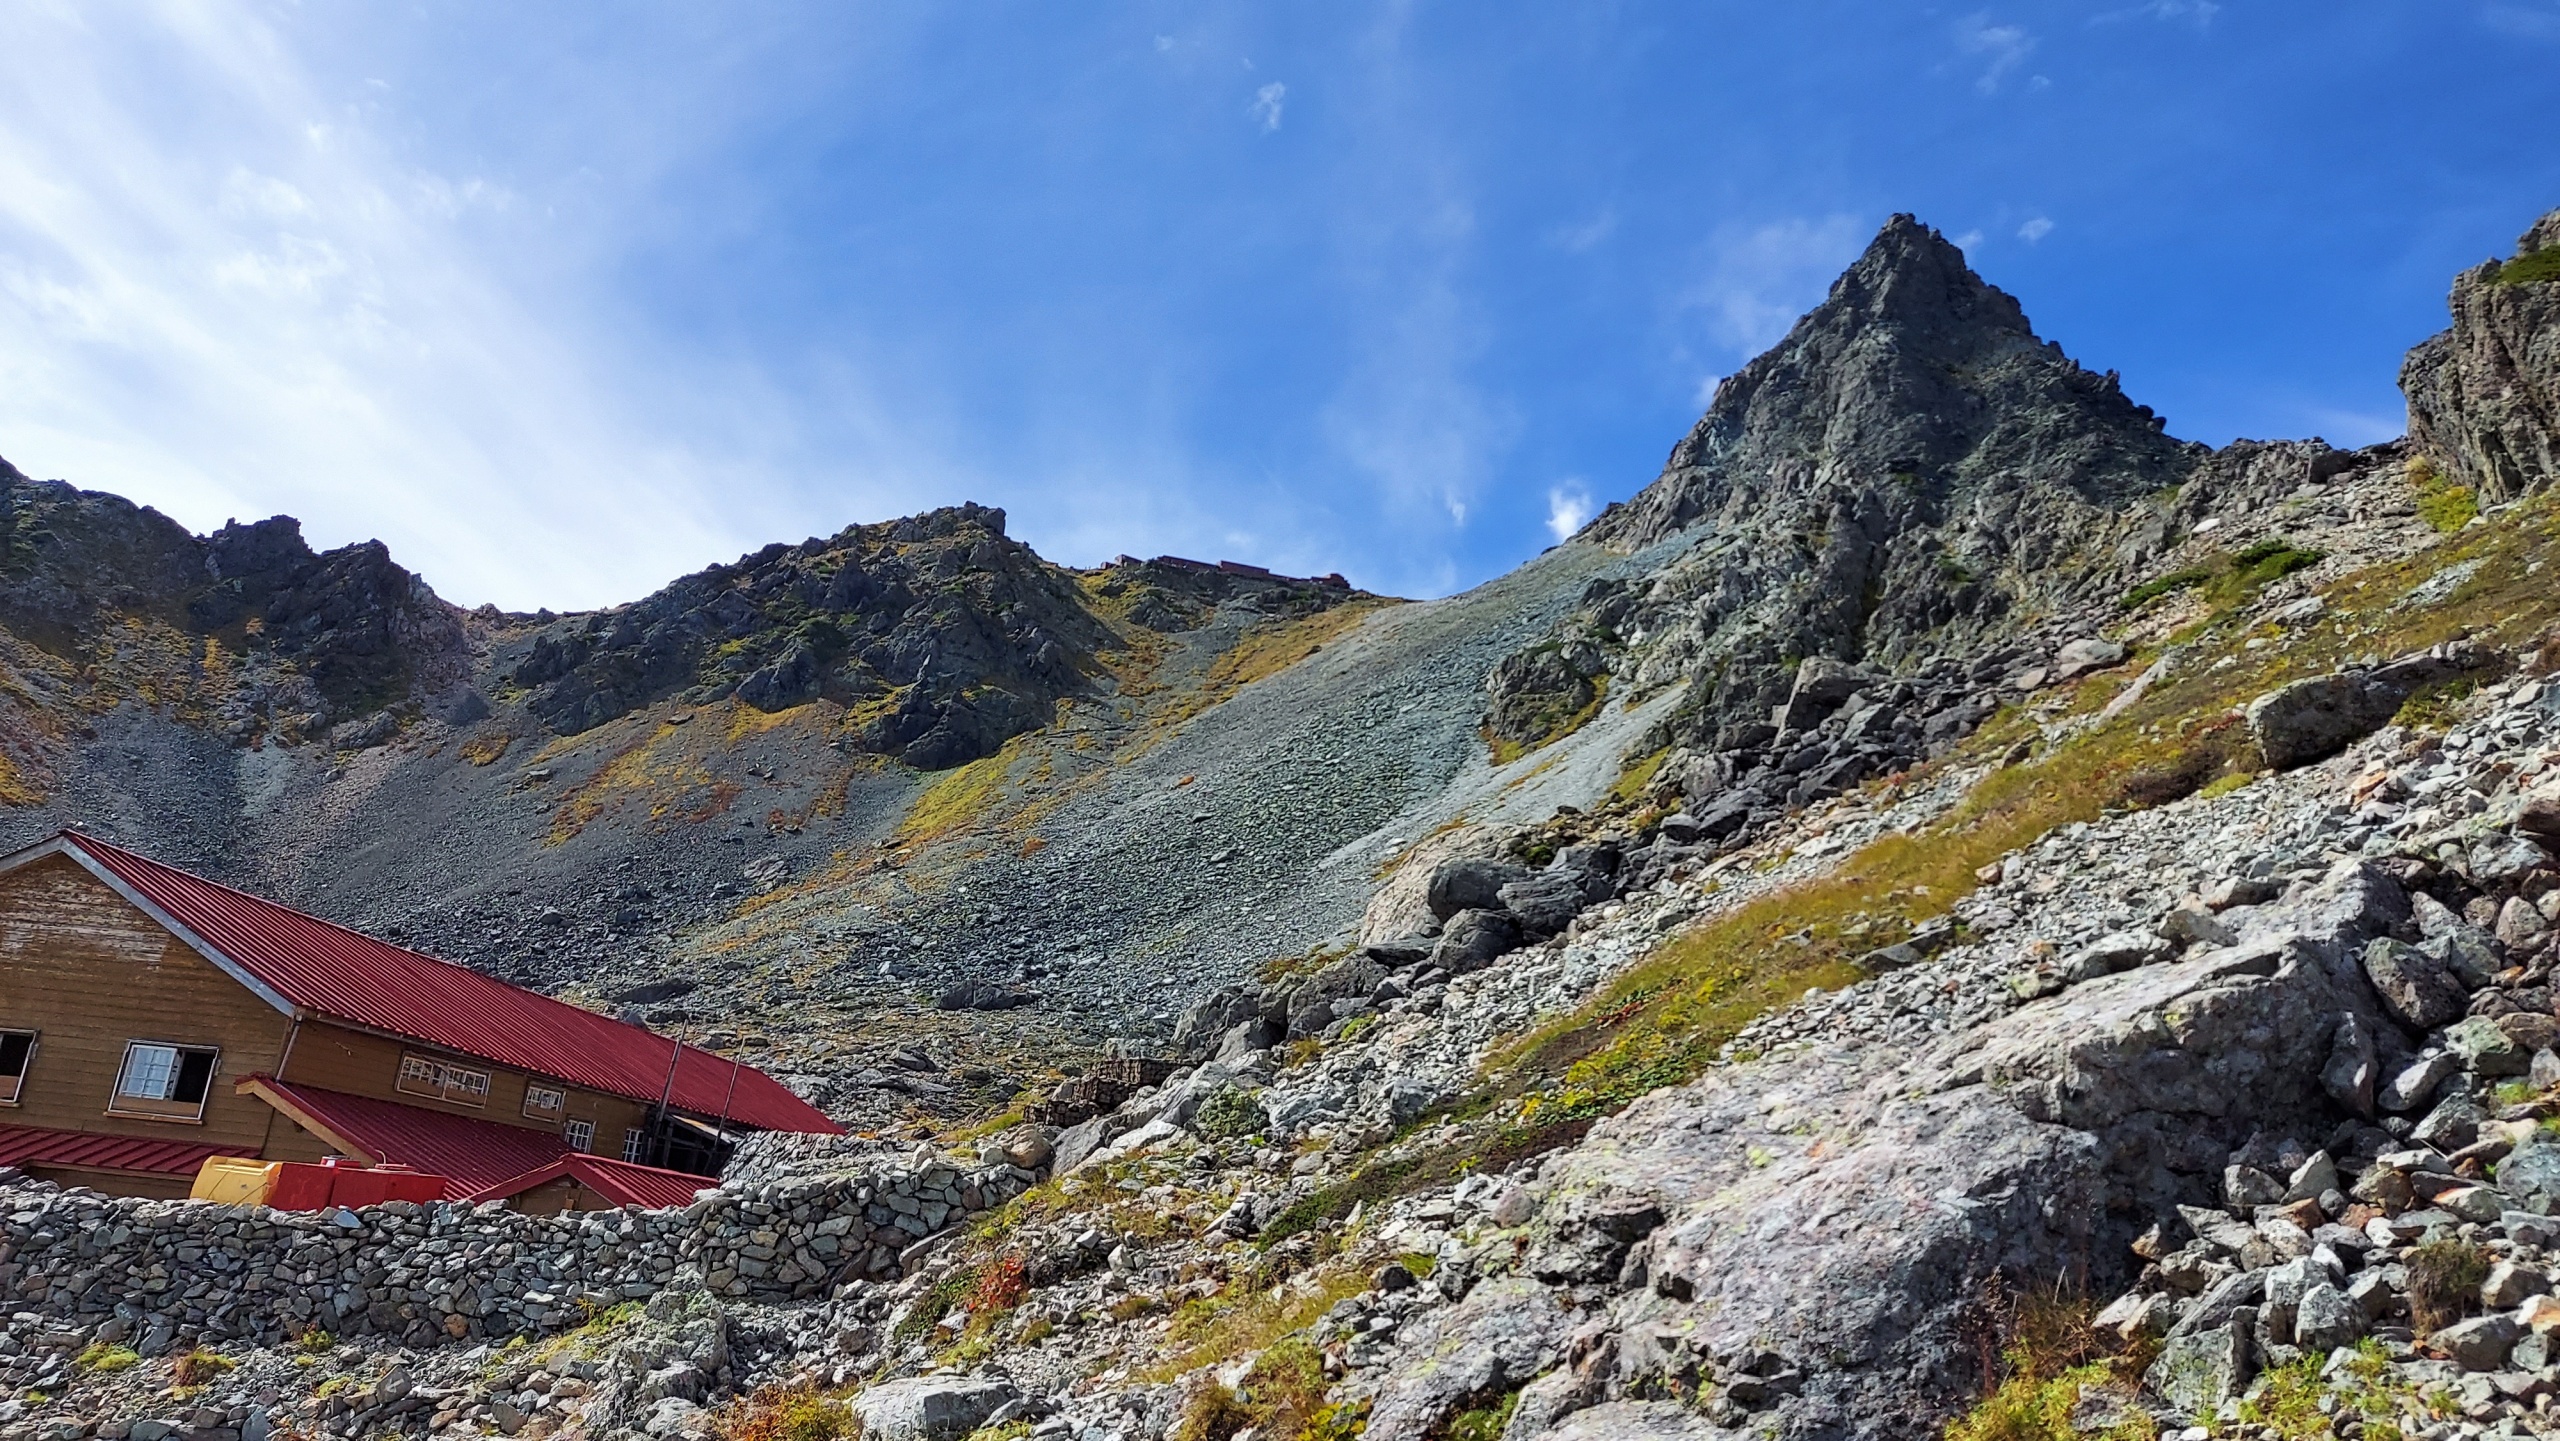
x=88, y=972
x=337, y=1058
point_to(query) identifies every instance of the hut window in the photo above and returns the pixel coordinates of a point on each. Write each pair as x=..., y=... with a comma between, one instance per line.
x=635, y=1144
x=164, y=1081
x=581, y=1135
x=17, y=1048
x=427, y=1076
x=543, y=1102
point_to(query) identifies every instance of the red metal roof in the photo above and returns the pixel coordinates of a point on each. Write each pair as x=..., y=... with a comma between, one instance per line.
x=620, y=1182
x=342, y=973
x=37, y=1146
x=473, y=1153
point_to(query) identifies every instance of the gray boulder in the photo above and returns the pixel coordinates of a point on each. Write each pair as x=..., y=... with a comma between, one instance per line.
x=2324, y=1319
x=2530, y=1175
x=1545, y=903
x=930, y=1408
x=2314, y=719
x=2080, y=657
x=2414, y=987
x=2479, y=1344
x=2487, y=1050
x=2414, y=1084
x=2198, y=1372
x=1469, y=883
x=1502, y=1335
x=1633, y=1421
x=1474, y=940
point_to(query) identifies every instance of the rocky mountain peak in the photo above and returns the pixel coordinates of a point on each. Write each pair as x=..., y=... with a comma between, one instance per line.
x=1913, y=276
x=2484, y=395
x=1910, y=468
x=1913, y=373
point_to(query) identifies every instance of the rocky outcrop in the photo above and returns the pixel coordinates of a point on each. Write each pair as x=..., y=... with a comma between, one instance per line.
x=349, y=631
x=2315, y=718
x=2484, y=396
x=1909, y=471
x=943, y=636
x=946, y=635
x=1850, y=1211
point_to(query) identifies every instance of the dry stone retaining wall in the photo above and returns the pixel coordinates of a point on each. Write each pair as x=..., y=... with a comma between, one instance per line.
x=157, y=1273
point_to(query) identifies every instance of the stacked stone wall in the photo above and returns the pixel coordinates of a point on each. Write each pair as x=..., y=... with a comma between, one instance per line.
x=156, y=1274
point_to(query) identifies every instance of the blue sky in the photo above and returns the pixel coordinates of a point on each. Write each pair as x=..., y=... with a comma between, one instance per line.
x=562, y=301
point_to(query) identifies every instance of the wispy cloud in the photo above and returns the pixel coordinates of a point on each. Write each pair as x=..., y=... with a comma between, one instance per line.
x=1966, y=241
x=1584, y=235
x=1266, y=105
x=2525, y=20
x=2001, y=49
x=2035, y=229
x=303, y=325
x=1568, y=506
x=2198, y=13
x=1758, y=279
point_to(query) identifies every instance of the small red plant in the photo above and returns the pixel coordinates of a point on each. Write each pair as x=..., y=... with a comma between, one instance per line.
x=1002, y=1283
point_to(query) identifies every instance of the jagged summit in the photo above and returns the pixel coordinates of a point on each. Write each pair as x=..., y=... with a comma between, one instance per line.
x=1913, y=371
x=327, y=636
x=1910, y=469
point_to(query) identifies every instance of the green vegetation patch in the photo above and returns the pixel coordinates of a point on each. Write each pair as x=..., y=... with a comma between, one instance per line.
x=2534, y=267
x=103, y=1358
x=1229, y=1114
x=2443, y=505
x=2298, y=1403
x=2228, y=578
x=2160, y=585
x=2053, y=1359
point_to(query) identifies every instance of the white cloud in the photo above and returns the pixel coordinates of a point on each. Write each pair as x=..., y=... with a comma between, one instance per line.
x=1759, y=279
x=1163, y=44
x=1968, y=240
x=2035, y=229
x=1706, y=395
x=1584, y=235
x=1568, y=506
x=2199, y=13
x=297, y=325
x=2001, y=48
x=1266, y=105
x=2527, y=20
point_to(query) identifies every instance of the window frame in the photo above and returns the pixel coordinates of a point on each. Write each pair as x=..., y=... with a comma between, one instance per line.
x=17, y=1083
x=635, y=1145
x=558, y=1107
x=440, y=1077
x=146, y=1107
x=580, y=1133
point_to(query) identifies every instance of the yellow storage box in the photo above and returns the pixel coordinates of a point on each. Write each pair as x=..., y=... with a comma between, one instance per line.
x=235, y=1180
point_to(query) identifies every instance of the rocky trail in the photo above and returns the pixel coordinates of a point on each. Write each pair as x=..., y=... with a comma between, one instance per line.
x=2000, y=924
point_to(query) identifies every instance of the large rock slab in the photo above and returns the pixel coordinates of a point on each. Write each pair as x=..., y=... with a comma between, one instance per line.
x=2314, y=719
x=1830, y=1217
x=1500, y=1337
x=930, y=1408
x=1632, y=1421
